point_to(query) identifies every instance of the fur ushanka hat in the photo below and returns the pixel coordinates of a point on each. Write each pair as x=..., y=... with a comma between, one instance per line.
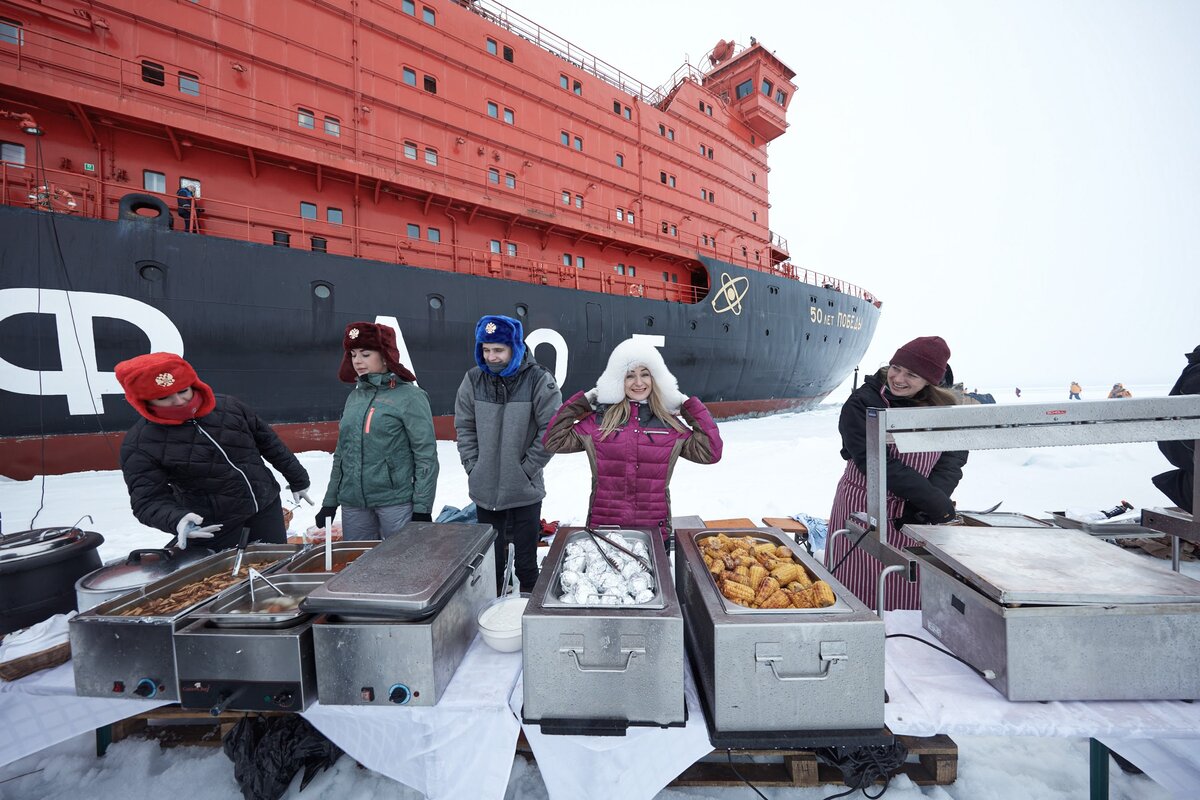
x=635, y=353
x=497, y=329
x=158, y=375
x=372, y=336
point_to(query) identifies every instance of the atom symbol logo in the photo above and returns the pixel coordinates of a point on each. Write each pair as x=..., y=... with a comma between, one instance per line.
x=730, y=293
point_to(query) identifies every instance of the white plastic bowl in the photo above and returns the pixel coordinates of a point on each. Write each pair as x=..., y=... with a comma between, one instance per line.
x=500, y=622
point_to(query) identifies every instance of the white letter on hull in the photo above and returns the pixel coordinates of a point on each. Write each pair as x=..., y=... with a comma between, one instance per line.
x=554, y=339
x=79, y=360
x=401, y=345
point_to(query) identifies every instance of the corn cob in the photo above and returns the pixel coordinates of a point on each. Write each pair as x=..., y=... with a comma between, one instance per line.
x=783, y=551
x=786, y=573
x=766, y=588
x=736, y=592
x=757, y=574
x=776, y=600
x=716, y=567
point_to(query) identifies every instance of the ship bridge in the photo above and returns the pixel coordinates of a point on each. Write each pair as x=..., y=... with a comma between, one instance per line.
x=756, y=85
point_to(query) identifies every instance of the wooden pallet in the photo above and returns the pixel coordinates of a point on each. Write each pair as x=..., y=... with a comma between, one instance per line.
x=933, y=761
x=172, y=726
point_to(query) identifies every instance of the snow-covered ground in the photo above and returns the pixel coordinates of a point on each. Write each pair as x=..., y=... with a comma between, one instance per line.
x=775, y=466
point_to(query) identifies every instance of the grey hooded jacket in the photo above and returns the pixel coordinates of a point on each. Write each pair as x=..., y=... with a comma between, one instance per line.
x=500, y=423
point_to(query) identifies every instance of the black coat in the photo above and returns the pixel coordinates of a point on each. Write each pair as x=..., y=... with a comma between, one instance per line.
x=1177, y=483
x=928, y=496
x=211, y=466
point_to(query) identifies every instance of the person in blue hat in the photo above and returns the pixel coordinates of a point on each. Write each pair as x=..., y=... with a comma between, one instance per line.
x=501, y=411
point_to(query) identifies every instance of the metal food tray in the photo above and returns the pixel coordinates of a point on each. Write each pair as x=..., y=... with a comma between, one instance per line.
x=213, y=565
x=408, y=576
x=232, y=609
x=550, y=600
x=840, y=606
x=1105, y=528
x=312, y=558
x=1055, y=566
x=1003, y=519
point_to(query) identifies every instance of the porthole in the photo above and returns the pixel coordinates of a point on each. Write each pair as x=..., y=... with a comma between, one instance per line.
x=725, y=327
x=824, y=338
x=692, y=324
x=768, y=333
x=322, y=291
x=435, y=302
x=807, y=336
x=522, y=310
x=152, y=273
x=649, y=322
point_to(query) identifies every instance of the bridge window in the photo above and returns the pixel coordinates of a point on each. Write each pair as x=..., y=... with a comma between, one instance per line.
x=151, y=181
x=780, y=97
x=568, y=260
x=333, y=126
x=431, y=156
x=508, y=54
x=510, y=248
x=308, y=210
x=12, y=153
x=409, y=76
x=493, y=110
x=410, y=150
x=579, y=144
x=510, y=180
x=744, y=88
x=409, y=7
x=577, y=88
x=564, y=81
x=413, y=230
x=767, y=87
x=509, y=116
x=494, y=176
x=494, y=246
x=431, y=84
x=154, y=73
x=189, y=84
x=619, y=269
x=433, y=234
x=11, y=32
x=620, y=215
x=492, y=47
x=620, y=160
x=428, y=15
x=333, y=215
x=566, y=197
x=305, y=118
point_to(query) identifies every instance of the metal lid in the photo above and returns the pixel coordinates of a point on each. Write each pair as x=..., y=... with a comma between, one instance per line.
x=40, y=540
x=1052, y=566
x=138, y=569
x=409, y=575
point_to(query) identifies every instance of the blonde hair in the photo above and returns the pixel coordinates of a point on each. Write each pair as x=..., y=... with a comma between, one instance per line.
x=618, y=413
x=929, y=396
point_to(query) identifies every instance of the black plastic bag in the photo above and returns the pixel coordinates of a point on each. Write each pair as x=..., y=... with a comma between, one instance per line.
x=267, y=752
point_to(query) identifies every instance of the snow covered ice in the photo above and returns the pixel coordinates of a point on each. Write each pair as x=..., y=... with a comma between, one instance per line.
x=774, y=466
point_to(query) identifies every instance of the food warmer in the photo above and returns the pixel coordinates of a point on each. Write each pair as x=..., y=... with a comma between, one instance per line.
x=786, y=676
x=1056, y=614
x=395, y=624
x=597, y=669
x=125, y=647
x=250, y=648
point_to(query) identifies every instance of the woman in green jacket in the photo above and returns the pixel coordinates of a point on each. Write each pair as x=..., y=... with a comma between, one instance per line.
x=385, y=467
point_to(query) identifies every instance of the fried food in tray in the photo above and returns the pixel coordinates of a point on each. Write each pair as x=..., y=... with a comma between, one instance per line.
x=193, y=592
x=759, y=574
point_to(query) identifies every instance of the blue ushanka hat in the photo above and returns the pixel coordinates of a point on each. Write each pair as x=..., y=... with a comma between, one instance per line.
x=500, y=330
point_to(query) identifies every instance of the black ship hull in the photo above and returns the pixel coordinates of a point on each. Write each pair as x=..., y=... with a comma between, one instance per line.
x=265, y=324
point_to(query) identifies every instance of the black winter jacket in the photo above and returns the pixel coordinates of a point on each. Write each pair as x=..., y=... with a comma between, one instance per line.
x=211, y=466
x=929, y=496
x=1180, y=452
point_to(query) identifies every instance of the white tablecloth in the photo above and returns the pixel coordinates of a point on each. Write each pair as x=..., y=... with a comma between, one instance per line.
x=635, y=766
x=42, y=709
x=931, y=693
x=462, y=747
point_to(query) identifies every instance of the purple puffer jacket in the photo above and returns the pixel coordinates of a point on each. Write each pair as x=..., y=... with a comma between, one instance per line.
x=632, y=467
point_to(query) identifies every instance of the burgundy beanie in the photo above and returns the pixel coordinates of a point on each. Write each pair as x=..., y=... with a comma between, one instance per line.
x=371, y=336
x=926, y=356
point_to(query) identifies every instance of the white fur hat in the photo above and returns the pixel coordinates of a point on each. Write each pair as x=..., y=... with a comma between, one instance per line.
x=627, y=355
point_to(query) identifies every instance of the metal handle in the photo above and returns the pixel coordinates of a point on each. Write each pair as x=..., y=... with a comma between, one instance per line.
x=474, y=567
x=829, y=545
x=772, y=653
x=629, y=652
x=880, y=600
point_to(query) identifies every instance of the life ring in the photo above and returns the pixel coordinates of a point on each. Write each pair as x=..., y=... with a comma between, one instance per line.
x=635, y=290
x=134, y=203
x=56, y=199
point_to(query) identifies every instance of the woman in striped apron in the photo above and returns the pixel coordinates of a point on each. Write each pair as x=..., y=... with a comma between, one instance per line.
x=919, y=484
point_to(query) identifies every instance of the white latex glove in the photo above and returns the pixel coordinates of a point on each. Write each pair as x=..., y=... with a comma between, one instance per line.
x=301, y=495
x=189, y=528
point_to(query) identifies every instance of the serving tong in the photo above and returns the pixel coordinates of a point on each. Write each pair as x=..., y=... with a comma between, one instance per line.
x=596, y=535
x=256, y=575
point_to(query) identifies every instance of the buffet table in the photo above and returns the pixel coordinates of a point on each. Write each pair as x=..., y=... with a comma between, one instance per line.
x=462, y=747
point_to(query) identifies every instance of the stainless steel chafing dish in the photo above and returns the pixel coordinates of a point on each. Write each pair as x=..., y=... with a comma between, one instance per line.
x=118, y=655
x=241, y=651
x=599, y=669
x=1058, y=615
x=312, y=558
x=765, y=675
x=395, y=624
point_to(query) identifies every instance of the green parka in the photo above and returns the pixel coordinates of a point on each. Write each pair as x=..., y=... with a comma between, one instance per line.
x=386, y=452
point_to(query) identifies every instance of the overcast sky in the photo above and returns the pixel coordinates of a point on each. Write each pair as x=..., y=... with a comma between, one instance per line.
x=1021, y=178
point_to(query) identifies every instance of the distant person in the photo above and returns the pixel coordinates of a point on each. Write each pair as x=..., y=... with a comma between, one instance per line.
x=1119, y=392
x=1018, y=391
x=503, y=406
x=919, y=484
x=628, y=427
x=194, y=462
x=186, y=208
x=385, y=467
x=1177, y=483
x=1074, y=391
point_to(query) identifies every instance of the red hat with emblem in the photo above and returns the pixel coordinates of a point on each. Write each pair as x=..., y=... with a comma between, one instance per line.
x=372, y=336
x=158, y=375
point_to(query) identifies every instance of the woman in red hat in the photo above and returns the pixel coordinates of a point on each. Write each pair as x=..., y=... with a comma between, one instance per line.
x=194, y=462
x=385, y=467
x=919, y=484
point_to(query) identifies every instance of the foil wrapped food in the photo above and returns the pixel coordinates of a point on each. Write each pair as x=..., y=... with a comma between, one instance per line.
x=587, y=578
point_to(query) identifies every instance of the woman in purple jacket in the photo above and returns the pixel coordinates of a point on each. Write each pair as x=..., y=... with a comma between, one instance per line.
x=628, y=427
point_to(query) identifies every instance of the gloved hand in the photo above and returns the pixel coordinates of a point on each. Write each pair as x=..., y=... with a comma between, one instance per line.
x=420, y=516
x=325, y=515
x=302, y=495
x=189, y=528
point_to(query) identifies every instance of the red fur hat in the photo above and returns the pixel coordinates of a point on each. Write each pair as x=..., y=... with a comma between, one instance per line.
x=157, y=375
x=370, y=336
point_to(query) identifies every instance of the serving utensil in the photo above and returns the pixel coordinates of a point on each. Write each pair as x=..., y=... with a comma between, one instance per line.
x=641, y=561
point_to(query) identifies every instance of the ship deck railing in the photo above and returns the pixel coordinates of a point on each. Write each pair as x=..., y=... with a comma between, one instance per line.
x=67, y=192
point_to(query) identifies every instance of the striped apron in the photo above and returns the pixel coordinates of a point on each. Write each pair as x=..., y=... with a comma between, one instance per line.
x=860, y=571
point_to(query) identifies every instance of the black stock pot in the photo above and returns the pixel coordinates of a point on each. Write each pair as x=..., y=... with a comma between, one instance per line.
x=38, y=570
